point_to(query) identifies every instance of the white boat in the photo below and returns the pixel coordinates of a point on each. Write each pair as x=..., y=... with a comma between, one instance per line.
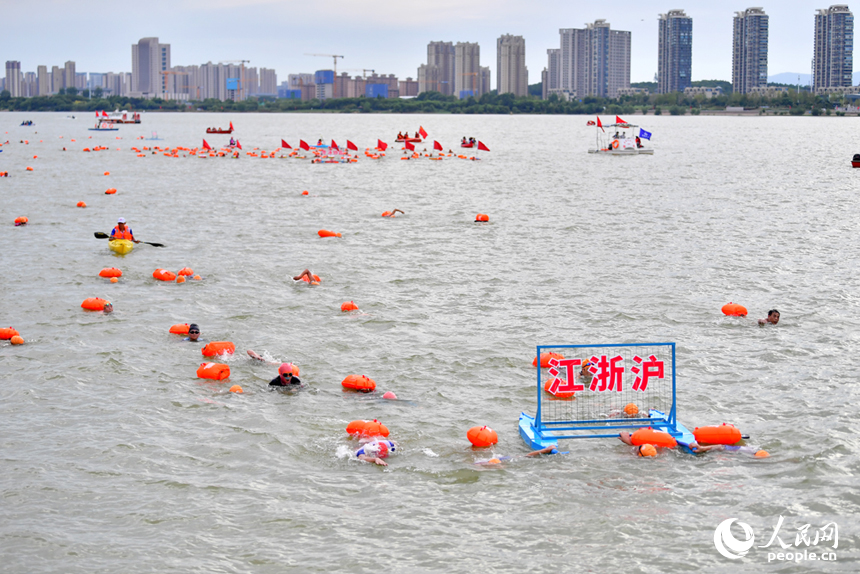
x=620, y=138
x=119, y=117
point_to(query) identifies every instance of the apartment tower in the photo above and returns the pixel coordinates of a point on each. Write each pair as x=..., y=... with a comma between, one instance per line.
x=592, y=61
x=437, y=75
x=467, y=70
x=833, y=62
x=148, y=60
x=749, y=50
x=512, y=76
x=13, y=78
x=674, y=52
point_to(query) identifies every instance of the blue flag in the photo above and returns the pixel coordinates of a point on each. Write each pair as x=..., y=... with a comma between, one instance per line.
x=644, y=135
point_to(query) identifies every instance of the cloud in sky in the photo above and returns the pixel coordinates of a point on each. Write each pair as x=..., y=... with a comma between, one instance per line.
x=389, y=36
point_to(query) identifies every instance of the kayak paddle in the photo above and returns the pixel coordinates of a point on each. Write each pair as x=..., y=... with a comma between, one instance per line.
x=102, y=235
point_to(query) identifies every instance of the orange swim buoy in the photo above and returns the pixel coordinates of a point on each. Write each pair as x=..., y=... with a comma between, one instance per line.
x=110, y=272
x=327, y=233
x=723, y=434
x=304, y=192
x=481, y=217
x=482, y=436
x=8, y=333
x=186, y=271
x=18, y=340
x=367, y=428
x=218, y=348
x=545, y=358
x=29, y=168
x=163, y=275
x=21, y=220
x=349, y=306
x=214, y=371
x=81, y=204
x=566, y=395
x=651, y=436
x=94, y=304
x=110, y=191
x=315, y=281
x=359, y=383
x=107, y=173
x=179, y=329
x=734, y=310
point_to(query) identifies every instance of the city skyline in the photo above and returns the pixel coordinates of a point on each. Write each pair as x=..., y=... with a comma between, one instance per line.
x=266, y=34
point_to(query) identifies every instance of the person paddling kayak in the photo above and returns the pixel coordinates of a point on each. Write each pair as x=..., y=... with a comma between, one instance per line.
x=122, y=231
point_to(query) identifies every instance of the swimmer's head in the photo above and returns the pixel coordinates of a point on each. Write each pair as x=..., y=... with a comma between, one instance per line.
x=285, y=369
x=494, y=461
x=381, y=449
x=773, y=316
x=193, y=331
x=762, y=454
x=647, y=450
x=107, y=308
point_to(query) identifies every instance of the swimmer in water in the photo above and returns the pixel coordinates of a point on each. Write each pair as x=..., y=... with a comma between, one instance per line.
x=285, y=377
x=772, y=318
x=108, y=308
x=375, y=451
x=392, y=212
x=306, y=273
x=551, y=449
x=193, y=333
x=651, y=450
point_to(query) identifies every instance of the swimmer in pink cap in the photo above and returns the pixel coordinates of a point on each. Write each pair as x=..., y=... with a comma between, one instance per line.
x=285, y=377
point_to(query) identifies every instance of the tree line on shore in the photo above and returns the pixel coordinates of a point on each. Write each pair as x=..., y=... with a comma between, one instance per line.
x=793, y=102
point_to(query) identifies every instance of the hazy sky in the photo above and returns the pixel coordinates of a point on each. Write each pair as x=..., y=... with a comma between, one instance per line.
x=389, y=36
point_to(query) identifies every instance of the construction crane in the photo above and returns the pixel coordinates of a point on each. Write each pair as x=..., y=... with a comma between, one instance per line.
x=242, y=74
x=333, y=56
x=362, y=70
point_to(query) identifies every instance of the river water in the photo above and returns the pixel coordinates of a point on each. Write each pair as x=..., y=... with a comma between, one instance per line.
x=116, y=458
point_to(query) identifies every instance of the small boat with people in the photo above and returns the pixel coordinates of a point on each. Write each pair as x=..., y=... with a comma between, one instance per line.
x=620, y=138
x=403, y=137
x=220, y=130
x=468, y=143
x=119, y=117
x=855, y=161
x=104, y=126
x=28, y=123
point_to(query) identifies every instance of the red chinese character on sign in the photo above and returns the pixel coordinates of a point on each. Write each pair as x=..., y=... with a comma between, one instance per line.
x=650, y=368
x=606, y=373
x=559, y=385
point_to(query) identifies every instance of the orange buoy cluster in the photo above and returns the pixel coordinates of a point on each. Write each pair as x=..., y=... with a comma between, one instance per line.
x=81, y=204
x=482, y=436
x=218, y=348
x=367, y=429
x=482, y=217
x=110, y=272
x=349, y=306
x=734, y=310
x=653, y=437
x=7, y=333
x=327, y=233
x=163, y=275
x=110, y=191
x=545, y=359
x=94, y=304
x=213, y=371
x=359, y=383
x=21, y=221
x=723, y=434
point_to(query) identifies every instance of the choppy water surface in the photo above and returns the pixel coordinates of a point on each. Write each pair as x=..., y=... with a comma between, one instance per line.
x=116, y=458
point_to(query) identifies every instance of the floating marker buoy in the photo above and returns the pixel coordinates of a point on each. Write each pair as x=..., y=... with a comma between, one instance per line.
x=214, y=371
x=110, y=272
x=218, y=348
x=630, y=409
x=179, y=329
x=236, y=389
x=8, y=333
x=94, y=304
x=327, y=233
x=647, y=450
x=81, y=204
x=733, y=309
x=349, y=306
x=482, y=436
x=163, y=275
x=186, y=271
x=481, y=217
x=545, y=358
x=651, y=436
x=304, y=193
x=723, y=434
x=21, y=221
x=18, y=340
x=107, y=173
x=359, y=383
x=29, y=168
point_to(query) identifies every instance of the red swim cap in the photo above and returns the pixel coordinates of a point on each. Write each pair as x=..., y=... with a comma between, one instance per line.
x=285, y=369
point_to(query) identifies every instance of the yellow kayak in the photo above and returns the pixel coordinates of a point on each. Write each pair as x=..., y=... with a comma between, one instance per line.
x=121, y=246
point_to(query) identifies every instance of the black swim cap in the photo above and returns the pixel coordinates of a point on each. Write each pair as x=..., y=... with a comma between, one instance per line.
x=193, y=326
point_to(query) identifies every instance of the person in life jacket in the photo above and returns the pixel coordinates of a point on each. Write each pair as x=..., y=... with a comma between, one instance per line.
x=122, y=231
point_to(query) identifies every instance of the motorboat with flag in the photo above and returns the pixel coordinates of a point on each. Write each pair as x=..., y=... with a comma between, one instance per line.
x=118, y=117
x=220, y=130
x=620, y=138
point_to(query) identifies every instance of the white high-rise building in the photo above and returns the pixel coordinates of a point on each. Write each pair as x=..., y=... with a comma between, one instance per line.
x=57, y=74
x=43, y=80
x=467, y=69
x=594, y=61
x=13, y=78
x=148, y=60
x=69, y=75
x=833, y=61
x=749, y=50
x=512, y=76
x=438, y=73
x=268, y=82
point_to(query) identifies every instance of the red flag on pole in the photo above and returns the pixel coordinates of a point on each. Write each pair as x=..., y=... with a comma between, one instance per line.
x=304, y=145
x=619, y=120
x=238, y=145
x=350, y=145
x=482, y=147
x=206, y=145
x=104, y=114
x=600, y=125
x=422, y=132
x=437, y=145
x=409, y=146
x=334, y=145
x=285, y=145
x=231, y=126
x=381, y=145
